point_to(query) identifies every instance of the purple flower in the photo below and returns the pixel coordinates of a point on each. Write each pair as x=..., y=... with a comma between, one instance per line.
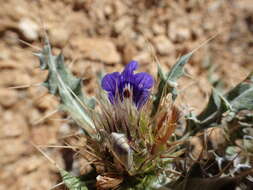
x=128, y=85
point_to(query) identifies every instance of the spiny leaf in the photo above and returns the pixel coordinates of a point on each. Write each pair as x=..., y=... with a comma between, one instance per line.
x=237, y=99
x=217, y=105
x=212, y=106
x=168, y=81
x=72, y=182
x=241, y=97
x=178, y=69
x=62, y=83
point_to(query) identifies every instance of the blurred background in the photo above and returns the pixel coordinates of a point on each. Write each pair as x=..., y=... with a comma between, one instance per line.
x=97, y=35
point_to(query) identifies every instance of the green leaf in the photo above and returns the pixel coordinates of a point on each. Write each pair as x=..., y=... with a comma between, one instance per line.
x=217, y=103
x=178, y=69
x=72, y=182
x=241, y=97
x=237, y=99
x=213, y=105
x=168, y=82
x=62, y=83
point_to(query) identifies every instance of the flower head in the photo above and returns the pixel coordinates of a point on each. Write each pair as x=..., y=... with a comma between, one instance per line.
x=128, y=85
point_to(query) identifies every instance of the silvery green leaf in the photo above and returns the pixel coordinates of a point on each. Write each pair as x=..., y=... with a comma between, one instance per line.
x=237, y=99
x=168, y=82
x=69, y=88
x=160, y=73
x=213, y=105
x=241, y=97
x=216, y=106
x=231, y=151
x=248, y=144
x=72, y=182
x=178, y=69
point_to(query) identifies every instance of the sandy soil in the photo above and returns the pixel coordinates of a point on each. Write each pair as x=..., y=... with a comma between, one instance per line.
x=106, y=34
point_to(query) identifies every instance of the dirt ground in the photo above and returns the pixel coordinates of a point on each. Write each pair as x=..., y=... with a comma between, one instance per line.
x=106, y=34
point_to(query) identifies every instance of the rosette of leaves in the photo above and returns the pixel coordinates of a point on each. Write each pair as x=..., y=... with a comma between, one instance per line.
x=130, y=131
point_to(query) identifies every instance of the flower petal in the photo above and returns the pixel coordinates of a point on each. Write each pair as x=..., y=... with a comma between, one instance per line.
x=128, y=73
x=109, y=82
x=142, y=98
x=111, y=97
x=139, y=84
x=131, y=66
x=143, y=80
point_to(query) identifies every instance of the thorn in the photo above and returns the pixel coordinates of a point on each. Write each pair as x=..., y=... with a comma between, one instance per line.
x=29, y=45
x=43, y=97
x=45, y=155
x=58, y=146
x=40, y=55
x=73, y=134
x=187, y=87
x=152, y=51
x=57, y=185
x=67, y=120
x=25, y=86
x=68, y=40
x=43, y=28
x=45, y=117
x=205, y=42
x=72, y=62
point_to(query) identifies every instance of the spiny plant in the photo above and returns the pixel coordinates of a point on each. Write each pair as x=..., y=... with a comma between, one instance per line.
x=130, y=130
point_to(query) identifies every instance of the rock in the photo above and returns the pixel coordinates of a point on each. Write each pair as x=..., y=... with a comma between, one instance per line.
x=108, y=10
x=122, y=23
x=44, y=135
x=129, y=52
x=11, y=38
x=44, y=103
x=158, y=29
x=29, y=29
x=12, y=125
x=59, y=36
x=120, y=8
x=8, y=97
x=12, y=149
x=163, y=45
x=147, y=33
x=14, y=78
x=178, y=33
x=141, y=42
x=97, y=49
x=143, y=57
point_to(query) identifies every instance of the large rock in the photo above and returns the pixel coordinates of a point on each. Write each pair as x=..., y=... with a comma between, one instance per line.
x=163, y=45
x=179, y=32
x=29, y=29
x=97, y=49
